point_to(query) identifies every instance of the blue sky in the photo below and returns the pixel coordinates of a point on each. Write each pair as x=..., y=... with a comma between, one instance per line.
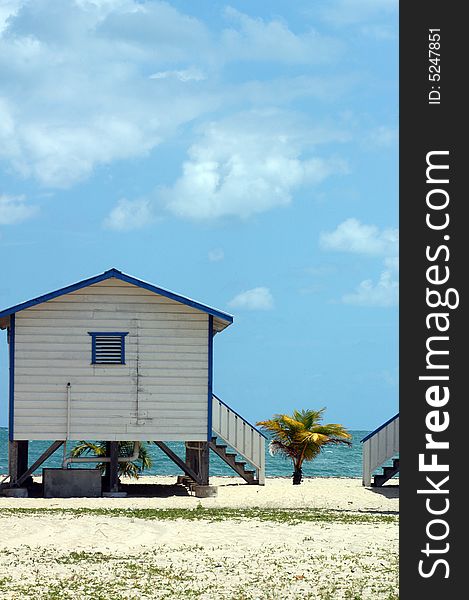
x=243, y=154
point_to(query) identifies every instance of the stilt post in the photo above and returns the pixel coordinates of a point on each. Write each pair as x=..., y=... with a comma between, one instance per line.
x=114, y=467
x=197, y=458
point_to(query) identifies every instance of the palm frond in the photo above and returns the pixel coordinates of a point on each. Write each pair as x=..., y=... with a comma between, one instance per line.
x=277, y=447
x=126, y=469
x=337, y=441
x=333, y=430
x=308, y=417
x=88, y=448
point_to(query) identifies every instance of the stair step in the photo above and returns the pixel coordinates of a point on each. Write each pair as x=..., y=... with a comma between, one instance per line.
x=237, y=465
x=388, y=472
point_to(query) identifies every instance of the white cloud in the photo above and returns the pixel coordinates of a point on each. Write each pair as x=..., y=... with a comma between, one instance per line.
x=392, y=263
x=385, y=293
x=345, y=13
x=8, y=8
x=259, y=298
x=356, y=238
x=216, y=255
x=382, y=137
x=168, y=34
x=13, y=209
x=380, y=32
x=90, y=82
x=353, y=236
x=247, y=164
x=76, y=86
x=129, y=214
x=256, y=39
x=184, y=75
x=326, y=88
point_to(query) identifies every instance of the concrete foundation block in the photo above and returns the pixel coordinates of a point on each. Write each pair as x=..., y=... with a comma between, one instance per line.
x=205, y=491
x=72, y=483
x=15, y=492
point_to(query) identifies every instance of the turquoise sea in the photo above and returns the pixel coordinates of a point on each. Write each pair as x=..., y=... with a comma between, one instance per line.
x=335, y=461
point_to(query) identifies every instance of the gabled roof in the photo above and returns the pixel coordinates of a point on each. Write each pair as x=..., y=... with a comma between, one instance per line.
x=114, y=273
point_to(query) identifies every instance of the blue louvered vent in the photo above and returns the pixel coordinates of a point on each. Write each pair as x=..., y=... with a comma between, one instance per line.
x=107, y=348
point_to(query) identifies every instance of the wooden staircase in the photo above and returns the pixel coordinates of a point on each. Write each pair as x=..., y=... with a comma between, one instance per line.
x=231, y=430
x=388, y=472
x=238, y=443
x=230, y=458
x=380, y=446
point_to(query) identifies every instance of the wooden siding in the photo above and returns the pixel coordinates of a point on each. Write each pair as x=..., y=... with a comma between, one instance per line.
x=165, y=377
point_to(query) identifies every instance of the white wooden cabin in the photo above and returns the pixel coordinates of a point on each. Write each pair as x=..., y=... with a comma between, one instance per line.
x=115, y=358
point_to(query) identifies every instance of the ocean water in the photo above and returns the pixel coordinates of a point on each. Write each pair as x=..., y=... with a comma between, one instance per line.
x=334, y=461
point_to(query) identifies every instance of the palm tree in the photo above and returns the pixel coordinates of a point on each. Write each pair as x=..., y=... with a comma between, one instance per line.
x=126, y=469
x=301, y=437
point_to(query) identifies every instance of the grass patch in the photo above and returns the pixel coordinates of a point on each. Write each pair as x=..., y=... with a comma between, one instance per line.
x=302, y=569
x=291, y=516
x=178, y=574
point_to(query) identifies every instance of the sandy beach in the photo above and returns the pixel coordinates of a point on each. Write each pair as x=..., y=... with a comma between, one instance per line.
x=327, y=538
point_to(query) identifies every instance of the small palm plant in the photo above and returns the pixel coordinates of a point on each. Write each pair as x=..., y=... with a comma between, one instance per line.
x=126, y=469
x=302, y=437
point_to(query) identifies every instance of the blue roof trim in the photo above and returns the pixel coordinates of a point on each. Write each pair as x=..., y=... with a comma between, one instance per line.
x=172, y=296
x=210, y=379
x=238, y=415
x=367, y=437
x=123, y=277
x=11, y=392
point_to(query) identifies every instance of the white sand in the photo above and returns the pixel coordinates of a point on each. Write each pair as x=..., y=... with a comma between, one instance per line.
x=331, y=493
x=124, y=557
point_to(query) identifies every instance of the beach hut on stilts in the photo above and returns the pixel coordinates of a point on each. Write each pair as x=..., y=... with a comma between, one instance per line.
x=115, y=358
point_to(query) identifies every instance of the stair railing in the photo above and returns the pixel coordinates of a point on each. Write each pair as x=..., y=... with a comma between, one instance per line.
x=238, y=433
x=379, y=446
